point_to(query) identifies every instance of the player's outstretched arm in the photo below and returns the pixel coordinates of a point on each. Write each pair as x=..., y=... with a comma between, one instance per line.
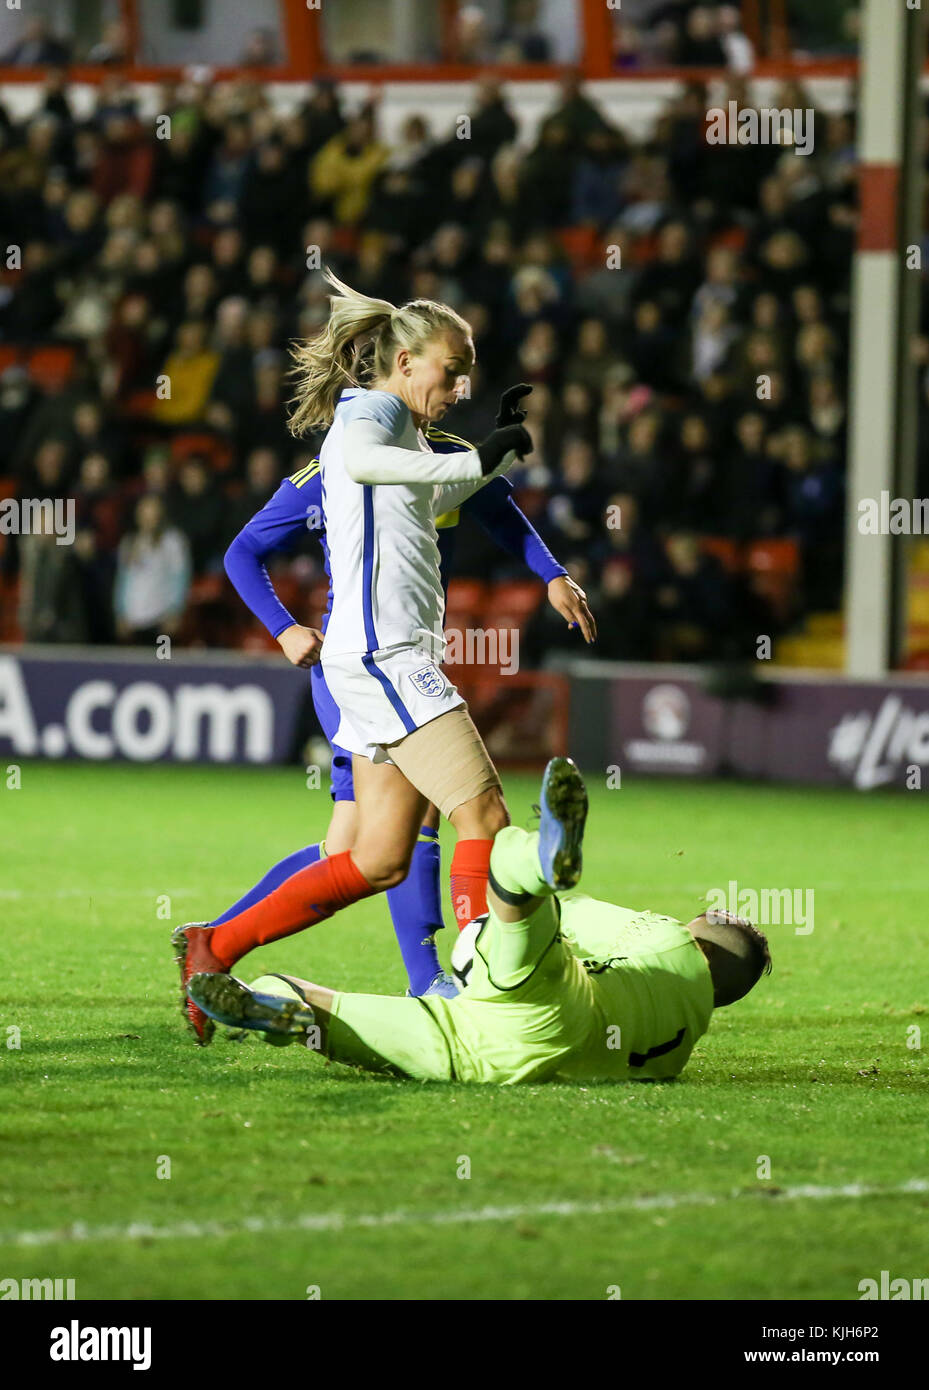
x=495, y=510
x=370, y=457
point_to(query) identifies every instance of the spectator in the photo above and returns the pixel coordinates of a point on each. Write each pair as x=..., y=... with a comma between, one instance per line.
x=576, y=113
x=262, y=476
x=197, y=508
x=652, y=348
x=694, y=608
x=471, y=41
x=272, y=207
x=343, y=173
x=492, y=124
x=521, y=39
x=712, y=337
x=700, y=503
x=226, y=174
x=51, y=601
x=754, y=506
x=642, y=468
x=577, y=501
x=113, y=47
x=126, y=159
x=700, y=42
x=322, y=117
x=623, y=614
x=33, y=309
x=188, y=374
x=38, y=47
x=827, y=416
x=814, y=515
x=152, y=576
x=738, y=48
x=259, y=51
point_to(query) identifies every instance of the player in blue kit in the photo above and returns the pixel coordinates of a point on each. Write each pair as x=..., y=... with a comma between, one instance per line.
x=298, y=506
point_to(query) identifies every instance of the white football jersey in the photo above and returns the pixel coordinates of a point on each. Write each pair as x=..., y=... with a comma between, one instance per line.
x=382, y=489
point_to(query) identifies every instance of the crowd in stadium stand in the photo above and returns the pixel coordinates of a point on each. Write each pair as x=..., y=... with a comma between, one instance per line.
x=680, y=309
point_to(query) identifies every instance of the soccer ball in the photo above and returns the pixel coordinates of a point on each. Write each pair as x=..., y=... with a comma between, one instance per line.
x=463, y=952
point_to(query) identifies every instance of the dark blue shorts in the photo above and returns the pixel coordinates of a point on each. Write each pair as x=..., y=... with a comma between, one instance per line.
x=341, y=785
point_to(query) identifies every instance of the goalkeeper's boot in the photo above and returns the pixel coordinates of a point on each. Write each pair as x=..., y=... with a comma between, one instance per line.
x=443, y=985
x=562, y=812
x=192, y=952
x=273, y=1006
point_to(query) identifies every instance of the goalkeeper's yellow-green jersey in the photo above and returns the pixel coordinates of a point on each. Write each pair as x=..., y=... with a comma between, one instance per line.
x=614, y=995
x=652, y=993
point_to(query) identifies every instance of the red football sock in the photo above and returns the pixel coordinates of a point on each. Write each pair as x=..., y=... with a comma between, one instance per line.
x=470, y=867
x=307, y=897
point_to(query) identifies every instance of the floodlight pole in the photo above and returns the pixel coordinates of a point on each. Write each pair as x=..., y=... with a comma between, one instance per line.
x=885, y=307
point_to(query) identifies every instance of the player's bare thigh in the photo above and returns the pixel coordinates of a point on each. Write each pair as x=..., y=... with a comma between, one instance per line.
x=343, y=825
x=390, y=812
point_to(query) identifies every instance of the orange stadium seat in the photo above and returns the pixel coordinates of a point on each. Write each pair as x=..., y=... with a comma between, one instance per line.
x=581, y=245
x=9, y=356
x=727, y=551
x=216, y=451
x=257, y=639
x=52, y=367
x=207, y=588
x=776, y=555
x=345, y=240
x=10, y=630
x=515, y=599
x=733, y=238
x=775, y=563
x=140, y=403
x=467, y=596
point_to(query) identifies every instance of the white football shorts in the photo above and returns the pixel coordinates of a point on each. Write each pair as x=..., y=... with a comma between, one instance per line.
x=384, y=695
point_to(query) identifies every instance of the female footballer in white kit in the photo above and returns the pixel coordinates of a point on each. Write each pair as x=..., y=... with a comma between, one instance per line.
x=408, y=729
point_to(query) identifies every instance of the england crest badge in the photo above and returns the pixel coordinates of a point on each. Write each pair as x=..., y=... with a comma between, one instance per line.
x=428, y=681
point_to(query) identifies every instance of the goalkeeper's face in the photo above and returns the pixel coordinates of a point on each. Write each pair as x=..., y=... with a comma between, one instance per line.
x=436, y=377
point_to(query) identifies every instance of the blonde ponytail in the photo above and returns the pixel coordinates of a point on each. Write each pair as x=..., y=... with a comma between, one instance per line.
x=323, y=366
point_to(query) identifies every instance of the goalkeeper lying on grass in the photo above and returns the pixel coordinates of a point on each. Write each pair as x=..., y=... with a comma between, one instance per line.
x=562, y=986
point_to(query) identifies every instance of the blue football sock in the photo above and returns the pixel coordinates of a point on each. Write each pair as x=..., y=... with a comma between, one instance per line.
x=416, y=909
x=272, y=879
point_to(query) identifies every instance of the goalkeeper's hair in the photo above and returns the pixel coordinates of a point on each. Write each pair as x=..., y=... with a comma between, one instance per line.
x=357, y=346
x=740, y=954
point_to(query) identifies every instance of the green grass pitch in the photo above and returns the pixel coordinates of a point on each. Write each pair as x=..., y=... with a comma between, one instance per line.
x=288, y=1175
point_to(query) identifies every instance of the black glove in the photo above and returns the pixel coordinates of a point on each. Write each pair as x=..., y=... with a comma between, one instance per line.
x=494, y=447
x=511, y=412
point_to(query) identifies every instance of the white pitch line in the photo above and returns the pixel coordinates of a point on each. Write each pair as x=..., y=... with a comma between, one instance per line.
x=17, y=894
x=80, y=1234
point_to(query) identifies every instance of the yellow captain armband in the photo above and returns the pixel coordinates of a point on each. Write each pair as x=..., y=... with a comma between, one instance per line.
x=448, y=519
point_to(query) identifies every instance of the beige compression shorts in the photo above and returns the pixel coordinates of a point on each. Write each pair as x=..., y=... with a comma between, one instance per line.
x=446, y=760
